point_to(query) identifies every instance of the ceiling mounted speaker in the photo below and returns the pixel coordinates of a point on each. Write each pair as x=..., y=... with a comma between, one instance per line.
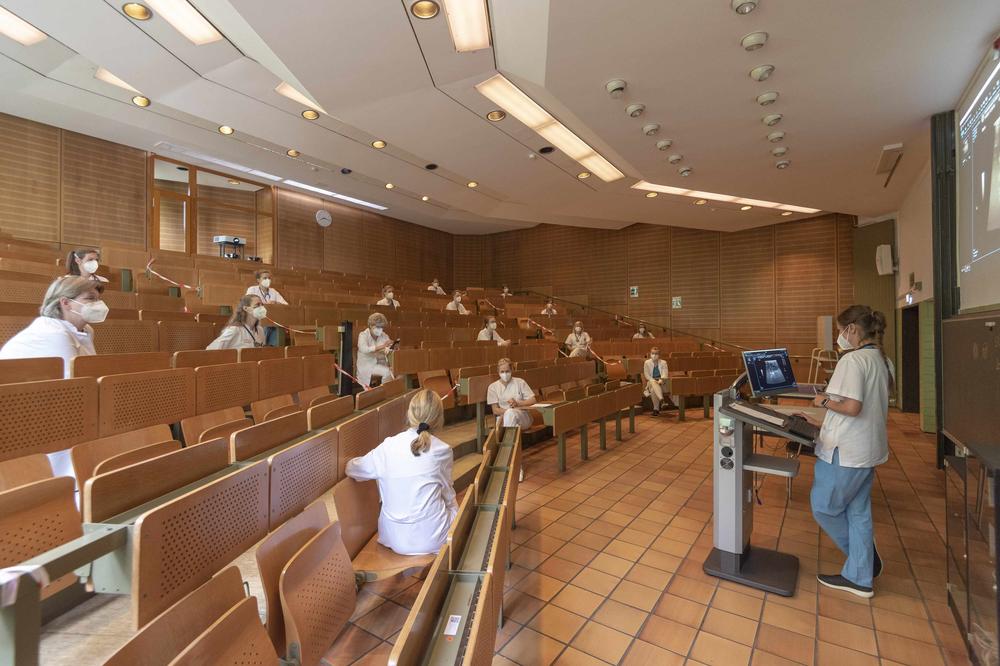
x=779, y=151
x=663, y=144
x=765, y=99
x=754, y=41
x=675, y=159
x=771, y=119
x=743, y=6
x=775, y=137
x=634, y=110
x=761, y=72
x=616, y=88
x=650, y=129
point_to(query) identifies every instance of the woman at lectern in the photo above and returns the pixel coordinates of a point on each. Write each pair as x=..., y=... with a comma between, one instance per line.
x=853, y=440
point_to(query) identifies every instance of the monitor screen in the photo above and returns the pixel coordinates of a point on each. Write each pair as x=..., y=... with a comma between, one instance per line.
x=769, y=371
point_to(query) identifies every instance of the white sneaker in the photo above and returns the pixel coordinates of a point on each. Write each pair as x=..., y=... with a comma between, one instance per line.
x=520, y=475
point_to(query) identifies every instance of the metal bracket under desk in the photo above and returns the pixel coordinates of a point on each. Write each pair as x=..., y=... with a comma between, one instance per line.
x=765, y=464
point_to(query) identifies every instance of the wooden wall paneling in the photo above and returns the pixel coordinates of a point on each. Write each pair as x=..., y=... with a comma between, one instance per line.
x=103, y=190
x=228, y=212
x=746, y=284
x=467, y=263
x=406, y=248
x=647, y=266
x=805, y=279
x=694, y=276
x=606, y=268
x=845, y=262
x=379, y=247
x=265, y=224
x=343, y=240
x=301, y=239
x=29, y=179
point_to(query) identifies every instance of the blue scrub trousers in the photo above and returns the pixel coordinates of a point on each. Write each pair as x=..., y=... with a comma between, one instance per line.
x=842, y=505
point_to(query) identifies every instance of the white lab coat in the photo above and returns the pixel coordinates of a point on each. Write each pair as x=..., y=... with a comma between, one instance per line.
x=436, y=289
x=418, y=499
x=579, y=344
x=456, y=307
x=50, y=337
x=267, y=296
x=385, y=301
x=489, y=334
x=371, y=362
x=640, y=336
x=549, y=311
x=238, y=336
x=516, y=389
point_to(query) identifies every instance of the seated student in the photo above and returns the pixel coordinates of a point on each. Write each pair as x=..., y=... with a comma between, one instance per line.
x=387, y=298
x=84, y=262
x=578, y=341
x=373, y=350
x=267, y=295
x=413, y=471
x=654, y=373
x=489, y=332
x=642, y=333
x=244, y=329
x=63, y=330
x=455, y=304
x=506, y=292
x=507, y=397
x=435, y=286
x=550, y=308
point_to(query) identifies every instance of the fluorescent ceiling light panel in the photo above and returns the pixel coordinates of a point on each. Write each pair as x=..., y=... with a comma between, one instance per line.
x=186, y=20
x=104, y=75
x=18, y=29
x=293, y=94
x=727, y=198
x=328, y=193
x=512, y=99
x=469, y=24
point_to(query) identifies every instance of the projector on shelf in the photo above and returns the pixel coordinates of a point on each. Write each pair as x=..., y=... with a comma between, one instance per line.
x=231, y=240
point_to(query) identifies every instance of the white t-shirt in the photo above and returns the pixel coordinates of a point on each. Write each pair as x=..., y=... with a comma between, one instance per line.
x=516, y=389
x=51, y=337
x=861, y=375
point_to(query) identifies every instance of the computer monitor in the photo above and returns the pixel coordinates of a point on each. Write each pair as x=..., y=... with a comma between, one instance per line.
x=769, y=371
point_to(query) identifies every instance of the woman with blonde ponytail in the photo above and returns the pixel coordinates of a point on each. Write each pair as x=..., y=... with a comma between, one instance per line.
x=413, y=471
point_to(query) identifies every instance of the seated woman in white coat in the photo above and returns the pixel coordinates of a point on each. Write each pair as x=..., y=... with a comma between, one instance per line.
x=244, y=329
x=373, y=350
x=388, y=297
x=413, y=471
x=489, y=332
x=654, y=373
x=643, y=332
x=435, y=286
x=578, y=342
x=264, y=291
x=508, y=396
x=70, y=306
x=549, y=309
x=84, y=262
x=455, y=304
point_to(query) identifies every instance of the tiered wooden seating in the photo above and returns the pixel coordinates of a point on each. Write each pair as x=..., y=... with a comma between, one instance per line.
x=221, y=423
x=230, y=639
x=116, y=364
x=24, y=470
x=16, y=370
x=30, y=427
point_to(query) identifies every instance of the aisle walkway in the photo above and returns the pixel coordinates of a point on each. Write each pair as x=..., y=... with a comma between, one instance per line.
x=608, y=564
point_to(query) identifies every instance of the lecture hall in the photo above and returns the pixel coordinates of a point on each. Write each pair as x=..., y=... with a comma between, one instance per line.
x=499, y=332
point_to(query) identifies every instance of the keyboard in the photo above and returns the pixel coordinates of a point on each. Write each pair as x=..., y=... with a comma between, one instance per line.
x=794, y=424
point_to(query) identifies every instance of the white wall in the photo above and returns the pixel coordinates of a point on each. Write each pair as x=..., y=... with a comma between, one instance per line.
x=913, y=238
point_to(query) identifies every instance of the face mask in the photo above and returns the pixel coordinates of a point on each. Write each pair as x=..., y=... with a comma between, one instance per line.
x=94, y=312
x=492, y=325
x=458, y=299
x=266, y=283
x=844, y=343
x=388, y=295
x=642, y=331
x=91, y=266
x=259, y=312
x=654, y=357
x=377, y=331
x=505, y=376
x=435, y=283
x=578, y=330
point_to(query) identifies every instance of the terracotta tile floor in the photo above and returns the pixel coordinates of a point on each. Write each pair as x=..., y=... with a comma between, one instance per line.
x=607, y=563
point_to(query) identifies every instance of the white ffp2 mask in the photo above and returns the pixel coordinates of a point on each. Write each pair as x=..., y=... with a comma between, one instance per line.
x=505, y=376
x=94, y=312
x=91, y=266
x=266, y=283
x=844, y=343
x=260, y=312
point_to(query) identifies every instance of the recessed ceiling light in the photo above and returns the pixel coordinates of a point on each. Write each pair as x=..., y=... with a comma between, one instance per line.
x=473, y=184
x=139, y=100
x=389, y=186
x=743, y=6
x=700, y=202
x=651, y=195
x=754, y=41
x=431, y=166
x=226, y=129
x=186, y=20
x=663, y=144
x=712, y=196
x=425, y=198
x=104, y=75
x=782, y=164
x=775, y=137
x=425, y=9
x=137, y=11
x=583, y=174
x=786, y=213
x=291, y=152
x=761, y=72
x=767, y=98
x=233, y=181
x=378, y=144
x=310, y=114
x=545, y=150
x=685, y=171
x=779, y=151
x=675, y=159
x=771, y=119
x=469, y=24
x=496, y=116
x=18, y=29
x=745, y=207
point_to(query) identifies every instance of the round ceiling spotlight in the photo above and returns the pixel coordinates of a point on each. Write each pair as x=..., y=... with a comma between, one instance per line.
x=782, y=164
x=472, y=184
x=775, y=137
x=137, y=11
x=545, y=150
x=233, y=181
x=754, y=41
x=663, y=144
x=779, y=151
x=743, y=6
x=425, y=9
x=786, y=213
x=583, y=174
x=745, y=207
x=765, y=99
x=771, y=119
x=226, y=129
x=650, y=195
x=310, y=114
x=425, y=198
x=651, y=129
x=761, y=72
x=675, y=159
x=389, y=186
x=700, y=202
x=616, y=88
x=685, y=171
x=634, y=110
x=378, y=144
x=291, y=152
x=141, y=101
x=496, y=116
